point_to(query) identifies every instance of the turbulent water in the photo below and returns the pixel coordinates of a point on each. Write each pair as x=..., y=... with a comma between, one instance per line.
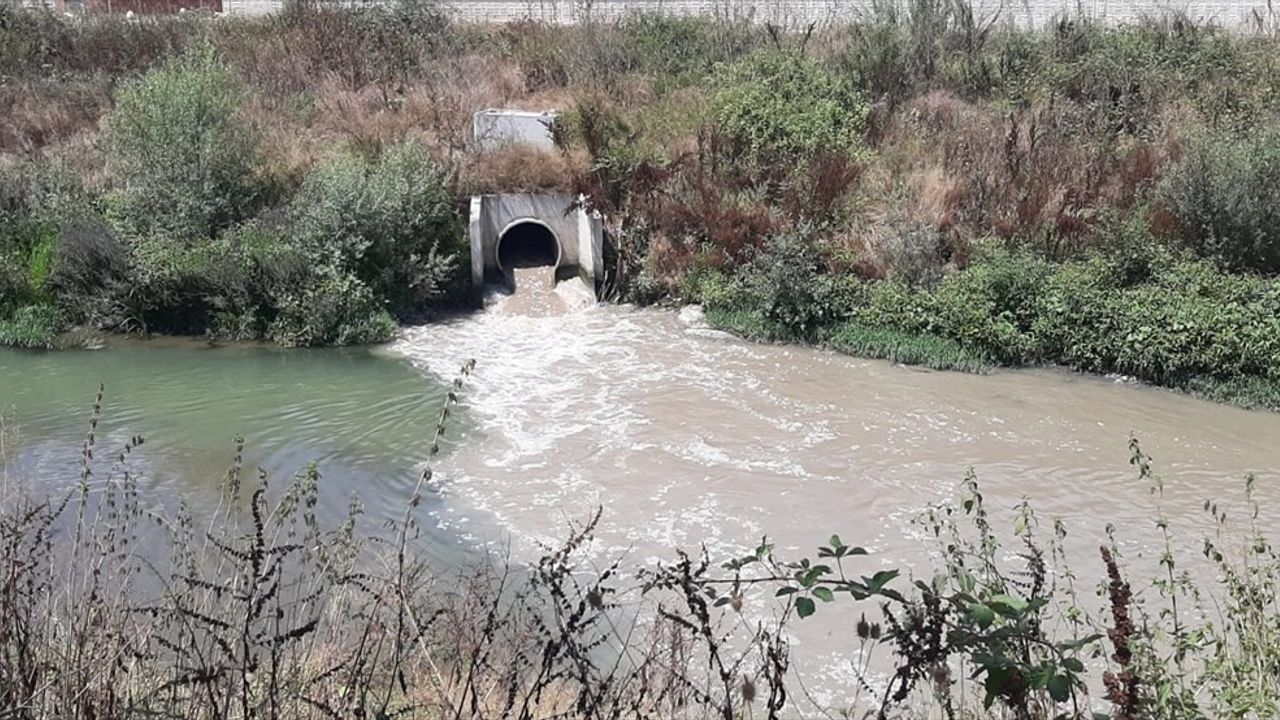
x=683, y=435
x=686, y=436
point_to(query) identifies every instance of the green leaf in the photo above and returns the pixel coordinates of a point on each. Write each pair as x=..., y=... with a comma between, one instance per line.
x=783, y=591
x=876, y=582
x=1060, y=688
x=982, y=615
x=804, y=607
x=1073, y=664
x=824, y=594
x=764, y=549
x=813, y=574
x=1008, y=605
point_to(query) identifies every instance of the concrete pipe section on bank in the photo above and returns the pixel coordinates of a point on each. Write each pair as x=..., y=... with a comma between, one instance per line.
x=510, y=231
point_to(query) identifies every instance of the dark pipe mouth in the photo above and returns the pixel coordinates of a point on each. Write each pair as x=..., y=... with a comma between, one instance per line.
x=528, y=244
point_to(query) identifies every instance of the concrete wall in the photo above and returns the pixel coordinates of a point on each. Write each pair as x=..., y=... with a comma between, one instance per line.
x=494, y=128
x=1235, y=14
x=578, y=233
x=121, y=7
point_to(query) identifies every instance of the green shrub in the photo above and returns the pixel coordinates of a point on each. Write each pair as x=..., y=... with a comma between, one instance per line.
x=12, y=282
x=902, y=49
x=1223, y=192
x=90, y=265
x=712, y=287
x=1125, y=76
x=168, y=287
x=183, y=158
x=331, y=310
x=360, y=236
x=680, y=50
x=35, y=42
x=27, y=249
x=30, y=326
x=1162, y=318
x=786, y=286
x=1189, y=321
x=991, y=306
x=782, y=105
x=390, y=222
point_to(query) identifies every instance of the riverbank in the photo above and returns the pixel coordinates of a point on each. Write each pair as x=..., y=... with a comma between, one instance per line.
x=929, y=189
x=1173, y=321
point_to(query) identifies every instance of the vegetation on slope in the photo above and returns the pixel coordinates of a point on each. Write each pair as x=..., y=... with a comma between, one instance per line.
x=930, y=186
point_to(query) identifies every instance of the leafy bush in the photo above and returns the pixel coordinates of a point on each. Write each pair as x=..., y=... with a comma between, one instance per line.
x=382, y=44
x=90, y=264
x=390, y=222
x=12, y=282
x=1190, y=320
x=361, y=235
x=26, y=251
x=1223, y=194
x=991, y=306
x=35, y=42
x=898, y=50
x=782, y=105
x=1161, y=317
x=680, y=50
x=183, y=157
x=332, y=310
x=786, y=287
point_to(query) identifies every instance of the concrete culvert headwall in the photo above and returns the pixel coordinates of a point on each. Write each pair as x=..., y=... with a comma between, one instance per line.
x=528, y=243
x=512, y=231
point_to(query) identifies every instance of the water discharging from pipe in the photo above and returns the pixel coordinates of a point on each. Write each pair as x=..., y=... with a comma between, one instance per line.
x=688, y=437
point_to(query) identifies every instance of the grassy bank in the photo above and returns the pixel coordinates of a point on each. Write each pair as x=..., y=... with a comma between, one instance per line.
x=928, y=186
x=1166, y=318
x=116, y=607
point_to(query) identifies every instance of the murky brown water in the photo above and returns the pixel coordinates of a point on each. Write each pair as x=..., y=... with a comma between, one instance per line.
x=686, y=436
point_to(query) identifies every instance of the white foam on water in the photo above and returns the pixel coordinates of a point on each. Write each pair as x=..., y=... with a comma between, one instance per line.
x=686, y=438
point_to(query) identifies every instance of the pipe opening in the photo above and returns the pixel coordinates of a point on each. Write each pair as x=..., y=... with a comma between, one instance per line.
x=528, y=244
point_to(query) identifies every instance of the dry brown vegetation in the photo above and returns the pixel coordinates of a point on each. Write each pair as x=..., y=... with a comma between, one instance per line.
x=976, y=131
x=899, y=148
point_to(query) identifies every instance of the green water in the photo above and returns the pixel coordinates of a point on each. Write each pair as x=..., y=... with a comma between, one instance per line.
x=365, y=416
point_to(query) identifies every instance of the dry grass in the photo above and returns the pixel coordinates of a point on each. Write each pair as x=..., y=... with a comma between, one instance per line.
x=40, y=113
x=945, y=167
x=1026, y=174
x=519, y=168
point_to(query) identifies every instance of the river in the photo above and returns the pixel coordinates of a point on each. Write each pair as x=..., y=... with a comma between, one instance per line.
x=683, y=435
x=688, y=436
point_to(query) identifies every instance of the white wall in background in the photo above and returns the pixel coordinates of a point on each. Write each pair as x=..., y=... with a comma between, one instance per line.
x=1237, y=14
